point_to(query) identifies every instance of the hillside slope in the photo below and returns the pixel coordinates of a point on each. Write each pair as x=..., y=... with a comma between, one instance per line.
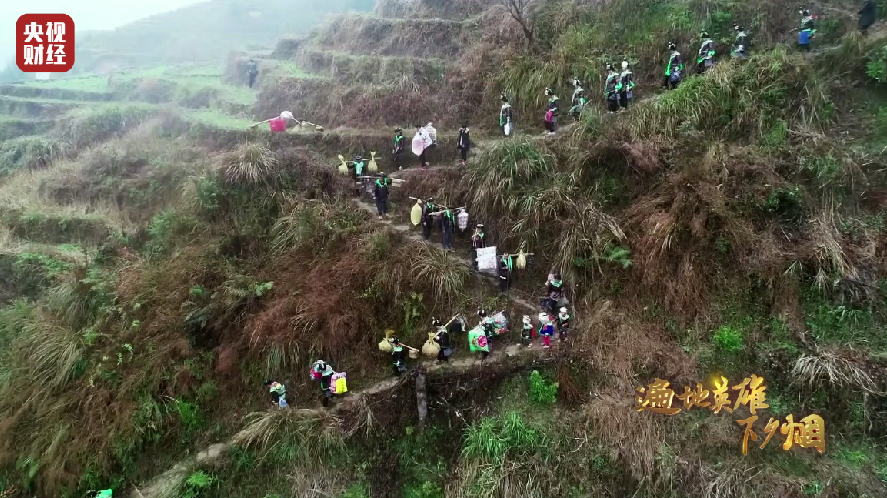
x=161, y=261
x=204, y=32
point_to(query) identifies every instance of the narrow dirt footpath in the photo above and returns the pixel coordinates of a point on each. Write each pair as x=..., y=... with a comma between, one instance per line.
x=167, y=484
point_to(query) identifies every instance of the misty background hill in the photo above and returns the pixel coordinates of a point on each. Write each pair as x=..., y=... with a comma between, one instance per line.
x=203, y=32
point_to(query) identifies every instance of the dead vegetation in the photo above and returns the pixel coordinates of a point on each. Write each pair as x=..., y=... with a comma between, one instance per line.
x=401, y=103
x=366, y=69
x=363, y=35
x=258, y=265
x=456, y=10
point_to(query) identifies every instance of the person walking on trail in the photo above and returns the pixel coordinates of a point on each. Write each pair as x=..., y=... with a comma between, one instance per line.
x=578, y=100
x=552, y=112
x=398, y=357
x=546, y=329
x=358, y=166
x=421, y=142
x=428, y=210
x=505, y=116
x=431, y=146
x=487, y=323
x=740, y=43
x=323, y=371
x=478, y=341
x=610, y=89
x=505, y=267
x=563, y=323
x=463, y=143
x=554, y=288
x=867, y=16
x=278, y=393
x=674, y=70
x=442, y=338
x=625, y=85
x=526, y=333
x=380, y=192
x=808, y=30
x=397, y=150
x=706, y=53
x=447, y=225
x=477, y=242
x=252, y=70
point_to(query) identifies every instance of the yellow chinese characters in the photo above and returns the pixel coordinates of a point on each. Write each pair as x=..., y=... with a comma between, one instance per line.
x=752, y=394
x=657, y=398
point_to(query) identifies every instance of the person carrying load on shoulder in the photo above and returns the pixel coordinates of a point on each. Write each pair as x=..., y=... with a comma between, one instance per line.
x=442, y=338
x=808, y=31
x=506, y=113
x=278, y=393
x=674, y=69
x=625, y=85
x=740, y=43
x=578, y=100
x=380, y=192
x=428, y=210
x=323, y=371
x=358, y=164
x=706, y=53
x=398, y=356
x=448, y=222
x=552, y=112
x=421, y=142
x=611, y=91
x=397, y=150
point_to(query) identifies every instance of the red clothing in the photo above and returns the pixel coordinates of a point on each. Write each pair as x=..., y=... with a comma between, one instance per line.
x=278, y=124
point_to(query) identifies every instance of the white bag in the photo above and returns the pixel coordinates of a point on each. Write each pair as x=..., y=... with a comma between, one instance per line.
x=507, y=129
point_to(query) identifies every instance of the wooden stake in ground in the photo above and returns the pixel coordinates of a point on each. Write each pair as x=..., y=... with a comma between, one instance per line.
x=421, y=399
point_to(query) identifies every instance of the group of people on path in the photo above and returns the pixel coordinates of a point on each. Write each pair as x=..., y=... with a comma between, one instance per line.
x=331, y=383
x=446, y=219
x=490, y=327
x=619, y=85
x=424, y=142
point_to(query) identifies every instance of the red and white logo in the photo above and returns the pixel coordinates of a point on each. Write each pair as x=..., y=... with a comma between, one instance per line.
x=44, y=43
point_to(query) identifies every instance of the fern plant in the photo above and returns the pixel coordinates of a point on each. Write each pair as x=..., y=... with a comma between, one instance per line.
x=616, y=254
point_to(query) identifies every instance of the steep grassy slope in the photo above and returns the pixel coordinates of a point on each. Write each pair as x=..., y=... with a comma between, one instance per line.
x=734, y=226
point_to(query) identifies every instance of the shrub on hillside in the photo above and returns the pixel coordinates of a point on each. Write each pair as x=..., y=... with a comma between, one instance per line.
x=740, y=100
x=90, y=125
x=30, y=153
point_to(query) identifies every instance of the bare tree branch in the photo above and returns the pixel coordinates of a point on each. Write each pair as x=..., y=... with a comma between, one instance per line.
x=520, y=12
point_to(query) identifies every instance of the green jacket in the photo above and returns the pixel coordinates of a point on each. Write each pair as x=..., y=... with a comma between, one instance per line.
x=674, y=62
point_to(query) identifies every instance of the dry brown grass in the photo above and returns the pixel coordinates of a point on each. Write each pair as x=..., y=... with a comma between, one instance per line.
x=832, y=369
x=367, y=35
x=360, y=106
x=674, y=228
x=379, y=70
x=445, y=9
